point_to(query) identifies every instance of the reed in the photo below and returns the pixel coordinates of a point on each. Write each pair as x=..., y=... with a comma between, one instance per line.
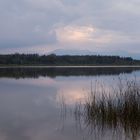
x=115, y=111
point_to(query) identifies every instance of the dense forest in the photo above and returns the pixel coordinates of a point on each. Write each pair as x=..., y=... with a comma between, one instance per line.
x=65, y=60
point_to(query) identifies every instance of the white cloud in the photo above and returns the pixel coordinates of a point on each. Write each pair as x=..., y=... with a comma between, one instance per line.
x=84, y=34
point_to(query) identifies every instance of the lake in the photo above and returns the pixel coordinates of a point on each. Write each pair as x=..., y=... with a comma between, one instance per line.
x=39, y=103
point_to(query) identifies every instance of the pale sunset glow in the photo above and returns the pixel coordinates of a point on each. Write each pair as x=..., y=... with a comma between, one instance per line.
x=83, y=34
x=76, y=33
x=71, y=97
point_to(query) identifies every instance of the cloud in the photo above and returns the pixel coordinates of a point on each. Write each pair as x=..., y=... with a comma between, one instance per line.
x=82, y=34
x=44, y=25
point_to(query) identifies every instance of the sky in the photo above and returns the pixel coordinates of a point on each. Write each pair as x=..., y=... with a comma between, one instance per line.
x=42, y=26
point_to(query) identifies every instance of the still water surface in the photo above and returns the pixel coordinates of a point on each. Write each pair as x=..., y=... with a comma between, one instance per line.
x=30, y=102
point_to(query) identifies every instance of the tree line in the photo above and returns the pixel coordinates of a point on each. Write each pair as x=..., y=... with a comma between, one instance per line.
x=54, y=60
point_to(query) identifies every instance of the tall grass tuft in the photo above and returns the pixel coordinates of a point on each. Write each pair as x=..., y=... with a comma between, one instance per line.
x=118, y=110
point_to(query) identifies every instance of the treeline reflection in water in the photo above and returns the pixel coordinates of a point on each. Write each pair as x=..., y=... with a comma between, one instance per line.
x=54, y=72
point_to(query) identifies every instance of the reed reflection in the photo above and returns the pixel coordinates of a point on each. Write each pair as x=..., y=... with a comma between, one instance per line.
x=110, y=115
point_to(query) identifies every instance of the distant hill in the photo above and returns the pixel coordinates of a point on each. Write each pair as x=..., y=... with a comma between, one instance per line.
x=61, y=52
x=65, y=60
x=72, y=52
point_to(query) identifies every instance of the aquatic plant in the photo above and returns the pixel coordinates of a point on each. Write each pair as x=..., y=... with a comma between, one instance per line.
x=117, y=111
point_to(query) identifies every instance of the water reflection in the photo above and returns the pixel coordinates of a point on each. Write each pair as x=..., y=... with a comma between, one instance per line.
x=117, y=113
x=54, y=72
x=30, y=102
